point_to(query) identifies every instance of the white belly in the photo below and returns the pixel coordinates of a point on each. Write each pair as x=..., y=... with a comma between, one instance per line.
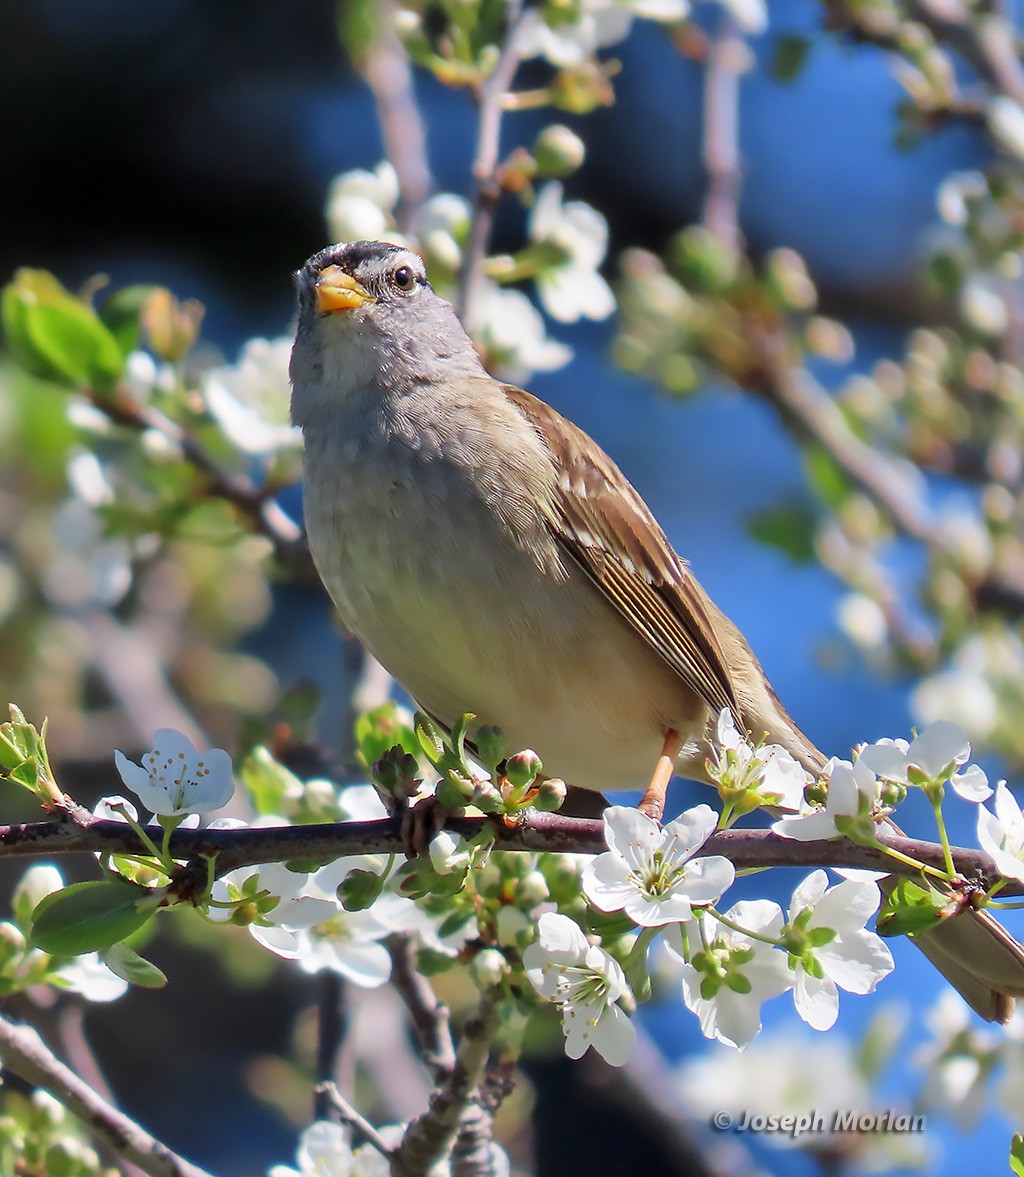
x=547, y=661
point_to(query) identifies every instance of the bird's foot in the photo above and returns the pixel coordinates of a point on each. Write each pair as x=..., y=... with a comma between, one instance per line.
x=652, y=803
x=421, y=822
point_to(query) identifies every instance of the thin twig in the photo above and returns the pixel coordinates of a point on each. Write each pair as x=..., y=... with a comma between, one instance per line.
x=24, y=1053
x=349, y=1116
x=721, y=152
x=429, y=1017
x=329, y=1040
x=811, y=413
x=486, y=166
x=387, y=72
x=430, y=1136
x=261, y=510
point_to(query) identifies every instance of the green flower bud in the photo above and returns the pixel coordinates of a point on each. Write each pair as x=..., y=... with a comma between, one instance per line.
x=360, y=889
x=532, y=889
x=489, y=968
x=521, y=770
x=396, y=772
x=558, y=152
x=550, y=795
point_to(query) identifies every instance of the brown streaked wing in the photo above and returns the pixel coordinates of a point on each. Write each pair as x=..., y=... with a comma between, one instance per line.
x=607, y=528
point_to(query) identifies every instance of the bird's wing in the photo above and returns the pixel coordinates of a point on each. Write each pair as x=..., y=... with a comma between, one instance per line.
x=601, y=522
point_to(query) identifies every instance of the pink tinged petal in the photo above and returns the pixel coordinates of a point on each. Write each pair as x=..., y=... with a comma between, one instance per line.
x=808, y=892
x=817, y=1002
x=972, y=784
x=940, y=744
x=689, y=831
x=856, y=962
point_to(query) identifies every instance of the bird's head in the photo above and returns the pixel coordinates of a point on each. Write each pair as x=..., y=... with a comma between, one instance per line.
x=368, y=317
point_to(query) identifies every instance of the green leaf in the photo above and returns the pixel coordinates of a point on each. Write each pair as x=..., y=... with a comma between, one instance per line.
x=268, y=782
x=788, y=527
x=381, y=729
x=825, y=476
x=126, y=963
x=791, y=53
x=56, y=335
x=908, y=909
x=90, y=917
x=1017, y=1155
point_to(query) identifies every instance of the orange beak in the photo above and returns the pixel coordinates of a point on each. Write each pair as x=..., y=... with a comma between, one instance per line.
x=338, y=291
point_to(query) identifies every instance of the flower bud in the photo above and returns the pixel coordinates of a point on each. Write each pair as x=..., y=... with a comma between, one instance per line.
x=521, y=769
x=491, y=745
x=550, y=795
x=558, y=152
x=489, y=968
x=532, y=889
x=360, y=889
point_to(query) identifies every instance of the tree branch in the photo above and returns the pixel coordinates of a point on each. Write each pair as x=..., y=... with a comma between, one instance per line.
x=25, y=1053
x=536, y=833
x=429, y=1136
x=429, y=1017
x=486, y=166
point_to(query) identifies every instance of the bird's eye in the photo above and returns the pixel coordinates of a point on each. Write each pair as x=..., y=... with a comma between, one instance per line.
x=404, y=278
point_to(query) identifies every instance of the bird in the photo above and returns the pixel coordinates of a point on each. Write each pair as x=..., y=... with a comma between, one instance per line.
x=497, y=562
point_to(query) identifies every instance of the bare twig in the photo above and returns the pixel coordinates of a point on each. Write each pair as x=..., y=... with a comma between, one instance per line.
x=486, y=166
x=429, y=1136
x=329, y=1040
x=387, y=72
x=348, y=1115
x=25, y=1054
x=429, y=1017
x=251, y=501
x=721, y=153
x=811, y=413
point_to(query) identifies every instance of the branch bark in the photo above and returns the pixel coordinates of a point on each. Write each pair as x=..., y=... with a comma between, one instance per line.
x=25, y=1054
x=537, y=833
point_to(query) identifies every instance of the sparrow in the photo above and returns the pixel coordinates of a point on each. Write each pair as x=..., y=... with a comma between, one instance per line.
x=496, y=561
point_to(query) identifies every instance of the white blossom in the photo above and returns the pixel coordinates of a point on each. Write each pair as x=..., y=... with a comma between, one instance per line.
x=1006, y=122
x=570, y=286
x=512, y=333
x=585, y=982
x=249, y=399
x=175, y=779
x=750, y=15
x=650, y=873
x=957, y=1062
x=597, y=23
x=852, y=800
x=935, y=755
x=766, y=771
x=1001, y=834
x=441, y=228
x=89, y=977
x=852, y=958
x=360, y=204
x=726, y=983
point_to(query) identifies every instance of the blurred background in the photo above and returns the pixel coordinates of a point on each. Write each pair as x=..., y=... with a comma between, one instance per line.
x=192, y=145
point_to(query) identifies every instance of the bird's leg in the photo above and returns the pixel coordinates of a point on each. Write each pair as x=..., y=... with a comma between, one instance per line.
x=653, y=801
x=421, y=823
